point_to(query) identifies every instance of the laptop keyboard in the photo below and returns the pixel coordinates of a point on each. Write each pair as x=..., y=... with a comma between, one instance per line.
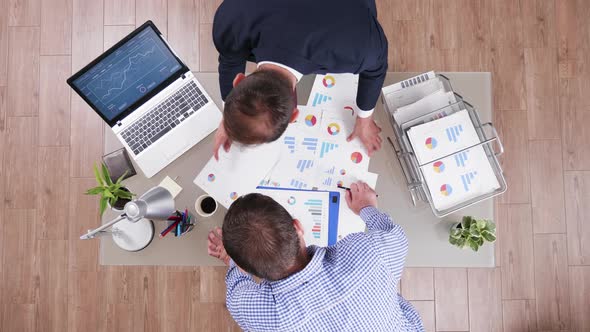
x=164, y=117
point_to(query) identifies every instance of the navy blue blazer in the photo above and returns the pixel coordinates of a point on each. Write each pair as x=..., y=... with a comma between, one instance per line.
x=310, y=36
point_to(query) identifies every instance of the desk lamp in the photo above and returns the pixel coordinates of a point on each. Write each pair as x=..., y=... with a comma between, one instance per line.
x=133, y=230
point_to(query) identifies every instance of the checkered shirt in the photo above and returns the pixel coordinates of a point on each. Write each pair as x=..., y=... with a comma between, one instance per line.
x=350, y=286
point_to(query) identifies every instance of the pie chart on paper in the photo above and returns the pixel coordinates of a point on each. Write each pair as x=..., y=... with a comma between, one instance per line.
x=431, y=143
x=446, y=189
x=333, y=129
x=329, y=81
x=439, y=166
x=356, y=157
x=311, y=120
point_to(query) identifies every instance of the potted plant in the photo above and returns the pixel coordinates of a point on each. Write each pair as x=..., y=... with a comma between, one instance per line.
x=472, y=233
x=111, y=193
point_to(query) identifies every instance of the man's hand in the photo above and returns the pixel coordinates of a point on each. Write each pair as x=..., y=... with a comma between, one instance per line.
x=360, y=196
x=221, y=139
x=215, y=246
x=368, y=131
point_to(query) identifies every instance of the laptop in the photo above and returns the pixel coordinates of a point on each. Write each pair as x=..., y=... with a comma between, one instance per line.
x=149, y=98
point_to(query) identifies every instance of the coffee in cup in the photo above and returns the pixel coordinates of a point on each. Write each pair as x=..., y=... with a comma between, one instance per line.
x=205, y=205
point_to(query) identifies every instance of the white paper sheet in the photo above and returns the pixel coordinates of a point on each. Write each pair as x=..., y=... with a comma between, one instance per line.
x=436, y=139
x=315, y=154
x=426, y=105
x=459, y=178
x=311, y=208
x=410, y=82
x=335, y=91
x=238, y=172
x=400, y=98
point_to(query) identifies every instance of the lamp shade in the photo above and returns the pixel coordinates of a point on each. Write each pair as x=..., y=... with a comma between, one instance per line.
x=157, y=203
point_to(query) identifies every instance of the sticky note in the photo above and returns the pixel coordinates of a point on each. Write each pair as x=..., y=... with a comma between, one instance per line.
x=171, y=186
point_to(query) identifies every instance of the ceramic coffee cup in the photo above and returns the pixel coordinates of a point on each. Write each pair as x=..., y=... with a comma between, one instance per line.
x=205, y=206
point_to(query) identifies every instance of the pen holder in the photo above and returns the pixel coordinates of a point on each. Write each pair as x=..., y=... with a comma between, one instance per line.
x=180, y=223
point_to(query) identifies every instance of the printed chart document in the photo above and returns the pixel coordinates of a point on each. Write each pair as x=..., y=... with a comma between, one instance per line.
x=316, y=210
x=316, y=155
x=238, y=172
x=335, y=91
x=436, y=139
x=459, y=178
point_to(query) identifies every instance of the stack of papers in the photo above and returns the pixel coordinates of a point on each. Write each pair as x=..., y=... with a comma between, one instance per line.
x=452, y=177
x=312, y=154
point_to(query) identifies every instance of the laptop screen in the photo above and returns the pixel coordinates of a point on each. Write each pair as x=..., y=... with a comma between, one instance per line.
x=127, y=73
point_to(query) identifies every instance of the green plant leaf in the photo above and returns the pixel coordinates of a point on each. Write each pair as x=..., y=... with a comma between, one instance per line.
x=488, y=236
x=456, y=237
x=461, y=242
x=122, y=177
x=97, y=176
x=481, y=224
x=455, y=232
x=473, y=229
x=114, y=187
x=475, y=232
x=107, y=193
x=122, y=194
x=119, y=191
x=107, y=176
x=94, y=191
x=102, y=205
x=491, y=227
x=452, y=240
x=466, y=222
x=113, y=200
x=473, y=246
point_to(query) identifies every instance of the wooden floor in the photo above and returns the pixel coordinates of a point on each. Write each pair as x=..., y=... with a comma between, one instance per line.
x=537, y=50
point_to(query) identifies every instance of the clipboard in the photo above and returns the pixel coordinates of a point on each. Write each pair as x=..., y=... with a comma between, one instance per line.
x=331, y=197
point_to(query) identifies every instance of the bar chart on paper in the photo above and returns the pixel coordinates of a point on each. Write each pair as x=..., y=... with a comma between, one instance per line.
x=302, y=165
x=298, y=184
x=319, y=99
x=461, y=158
x=454, y=132
x=290, y=143
x=311, y=208
x=327, y=147
x=310, y=143
x=467, y=180
x=314, y=207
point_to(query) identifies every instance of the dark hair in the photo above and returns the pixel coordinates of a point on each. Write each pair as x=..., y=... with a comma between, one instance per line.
x=258, y=234
x=258, y=110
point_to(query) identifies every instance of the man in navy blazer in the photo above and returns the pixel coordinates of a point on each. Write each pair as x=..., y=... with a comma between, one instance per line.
x=288, y=39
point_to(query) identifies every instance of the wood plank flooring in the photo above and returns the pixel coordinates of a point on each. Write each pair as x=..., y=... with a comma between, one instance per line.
x=537, y=51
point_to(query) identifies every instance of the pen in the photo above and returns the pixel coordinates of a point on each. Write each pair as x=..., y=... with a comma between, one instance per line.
x=169, y=228
x=346, y=188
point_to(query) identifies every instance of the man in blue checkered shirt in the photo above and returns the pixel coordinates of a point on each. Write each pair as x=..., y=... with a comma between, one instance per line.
x=350, y=286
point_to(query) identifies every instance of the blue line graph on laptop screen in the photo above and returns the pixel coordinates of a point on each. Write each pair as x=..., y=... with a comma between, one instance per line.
x=130, y=72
